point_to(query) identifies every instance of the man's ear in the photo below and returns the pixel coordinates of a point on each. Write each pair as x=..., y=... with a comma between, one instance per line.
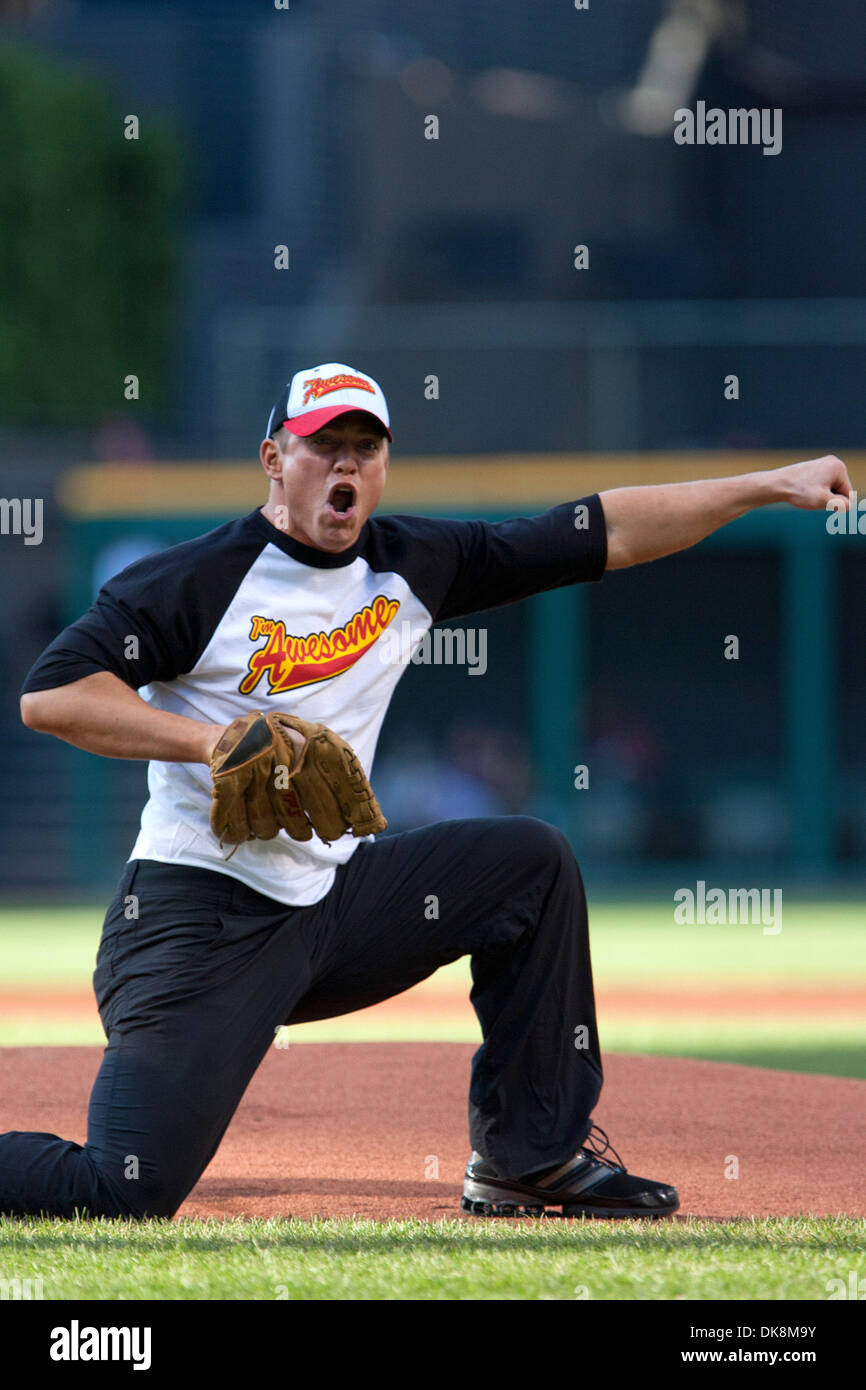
x=271, y=458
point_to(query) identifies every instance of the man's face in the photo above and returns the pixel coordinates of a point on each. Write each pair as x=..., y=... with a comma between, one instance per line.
x=328, y=483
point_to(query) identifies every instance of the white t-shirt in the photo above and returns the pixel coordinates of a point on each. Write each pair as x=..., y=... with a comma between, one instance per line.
x=246, y=618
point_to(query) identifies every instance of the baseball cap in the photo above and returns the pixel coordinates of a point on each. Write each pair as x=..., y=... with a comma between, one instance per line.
x=314, y=397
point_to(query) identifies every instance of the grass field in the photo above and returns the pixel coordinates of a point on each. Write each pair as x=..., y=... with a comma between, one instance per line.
x=634, y=943
x=460, y=1259
x=637, y=947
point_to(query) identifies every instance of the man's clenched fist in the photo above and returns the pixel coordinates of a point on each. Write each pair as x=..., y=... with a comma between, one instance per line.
x=811, y=484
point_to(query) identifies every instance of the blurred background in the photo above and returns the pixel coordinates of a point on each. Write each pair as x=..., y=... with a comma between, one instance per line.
x=155, y=159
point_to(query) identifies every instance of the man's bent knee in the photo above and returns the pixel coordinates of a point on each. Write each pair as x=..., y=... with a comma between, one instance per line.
x=531, y=838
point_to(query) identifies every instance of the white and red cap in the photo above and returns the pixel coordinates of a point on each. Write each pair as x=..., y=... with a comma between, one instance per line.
x=314, y=397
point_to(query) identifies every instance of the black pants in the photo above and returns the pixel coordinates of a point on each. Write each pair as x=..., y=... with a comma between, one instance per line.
x=191, y=992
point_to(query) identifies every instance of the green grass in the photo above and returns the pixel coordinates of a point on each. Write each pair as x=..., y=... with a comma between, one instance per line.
x=778, y=1259
x=632, y=944
x=48, y=946
x=823, y=1045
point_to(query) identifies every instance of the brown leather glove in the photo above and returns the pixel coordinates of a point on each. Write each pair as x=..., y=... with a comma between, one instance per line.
x=262, y=785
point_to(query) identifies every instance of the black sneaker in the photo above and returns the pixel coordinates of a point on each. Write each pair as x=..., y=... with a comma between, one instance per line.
x=590, y=1184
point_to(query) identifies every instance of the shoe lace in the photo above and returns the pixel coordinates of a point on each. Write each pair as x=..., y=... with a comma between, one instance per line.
x=601, y=1147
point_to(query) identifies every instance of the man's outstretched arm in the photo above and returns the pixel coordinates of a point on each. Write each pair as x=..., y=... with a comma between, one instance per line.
x=645, y=523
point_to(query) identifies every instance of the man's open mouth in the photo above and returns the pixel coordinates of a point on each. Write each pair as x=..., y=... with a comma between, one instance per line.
x=341, y=499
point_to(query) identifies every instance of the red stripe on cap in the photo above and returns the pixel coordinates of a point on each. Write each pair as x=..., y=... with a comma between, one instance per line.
x=312, y=420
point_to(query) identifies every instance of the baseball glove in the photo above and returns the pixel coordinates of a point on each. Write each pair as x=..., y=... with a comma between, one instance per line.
x=262, y=784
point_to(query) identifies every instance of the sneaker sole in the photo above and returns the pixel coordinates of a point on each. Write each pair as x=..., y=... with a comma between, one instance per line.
x=480, y=1200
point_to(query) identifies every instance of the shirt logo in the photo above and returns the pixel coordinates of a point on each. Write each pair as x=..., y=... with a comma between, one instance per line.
x=289, y=661
x=317, y=386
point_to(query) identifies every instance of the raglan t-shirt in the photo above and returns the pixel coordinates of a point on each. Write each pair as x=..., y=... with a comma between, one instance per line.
x=247, y=618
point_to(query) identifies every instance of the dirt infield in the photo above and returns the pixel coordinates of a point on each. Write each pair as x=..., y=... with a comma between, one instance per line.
x=379, y=1130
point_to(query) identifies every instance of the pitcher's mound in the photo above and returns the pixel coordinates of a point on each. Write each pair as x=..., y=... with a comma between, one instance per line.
x=380, y=1130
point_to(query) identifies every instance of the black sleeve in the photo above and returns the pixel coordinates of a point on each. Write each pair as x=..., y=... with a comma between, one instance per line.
x=462, y=567
x=152, y=621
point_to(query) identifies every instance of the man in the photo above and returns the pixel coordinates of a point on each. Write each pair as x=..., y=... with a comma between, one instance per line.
x=206, y=951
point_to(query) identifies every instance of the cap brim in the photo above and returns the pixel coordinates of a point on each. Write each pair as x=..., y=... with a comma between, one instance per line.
x=312, y=420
